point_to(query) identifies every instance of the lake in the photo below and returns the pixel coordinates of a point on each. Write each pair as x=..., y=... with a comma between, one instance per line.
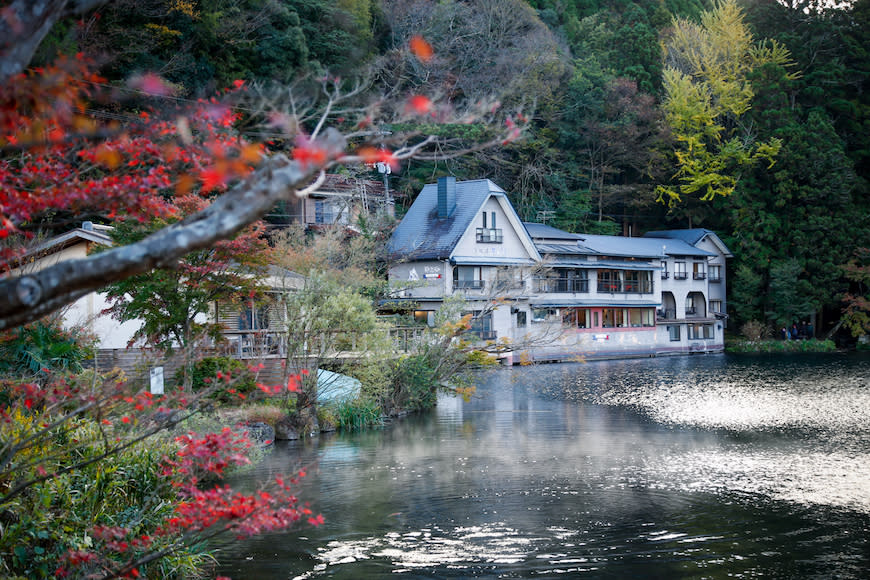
x=708, y=466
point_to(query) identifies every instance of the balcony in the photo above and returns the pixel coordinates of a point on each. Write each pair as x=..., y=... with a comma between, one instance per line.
x=561, y=285
x=665, y=275
x=666, y=314
x=715, y=278
x=699, y=275
x=468, y=284
x=625, y=286
x=489, y=235
x=691, y=311
x=680, y=276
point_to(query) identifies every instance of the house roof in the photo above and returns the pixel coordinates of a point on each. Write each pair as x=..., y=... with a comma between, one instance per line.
x=545, y=232
x=692, y=237
x=61, y=242
x=421, y=235
x=346, y=185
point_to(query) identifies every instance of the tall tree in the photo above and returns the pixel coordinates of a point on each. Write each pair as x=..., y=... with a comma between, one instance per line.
x=707, y=93
x=173, y=303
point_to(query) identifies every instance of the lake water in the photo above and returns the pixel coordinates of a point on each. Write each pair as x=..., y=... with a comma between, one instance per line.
x=685, y=467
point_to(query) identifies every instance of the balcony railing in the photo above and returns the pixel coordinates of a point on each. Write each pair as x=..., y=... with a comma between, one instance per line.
x=715, y=278
x=561, y=285
x=489, y=235
x=625, y=286
x=665, y=275
x=468, y=284
x=699, y=275
x=680, y=276
x=691, y=311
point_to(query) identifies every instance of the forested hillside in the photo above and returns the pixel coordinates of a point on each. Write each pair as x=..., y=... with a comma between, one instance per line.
x=750, y=119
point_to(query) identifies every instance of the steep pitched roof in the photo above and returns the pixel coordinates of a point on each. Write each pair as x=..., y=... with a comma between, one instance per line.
x=422, y=236
x=692, y=237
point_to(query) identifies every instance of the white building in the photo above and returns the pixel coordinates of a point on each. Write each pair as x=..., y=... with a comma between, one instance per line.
x=554, y=295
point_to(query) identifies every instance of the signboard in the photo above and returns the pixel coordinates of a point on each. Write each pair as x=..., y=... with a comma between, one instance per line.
x=157, y=381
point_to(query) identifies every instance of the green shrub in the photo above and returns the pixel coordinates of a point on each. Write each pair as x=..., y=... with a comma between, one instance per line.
x=358, y=414
x=41, y=347
x=205, y=375
x=415, y=384
x=809, y=345
x=128, y=490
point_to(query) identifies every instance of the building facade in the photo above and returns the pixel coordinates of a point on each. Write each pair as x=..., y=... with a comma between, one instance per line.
x=547, y=294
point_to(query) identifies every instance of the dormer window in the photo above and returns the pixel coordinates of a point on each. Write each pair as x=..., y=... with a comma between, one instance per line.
x=491, y=234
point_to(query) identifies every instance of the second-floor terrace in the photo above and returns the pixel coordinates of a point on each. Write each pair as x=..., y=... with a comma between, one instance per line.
x=602, y=281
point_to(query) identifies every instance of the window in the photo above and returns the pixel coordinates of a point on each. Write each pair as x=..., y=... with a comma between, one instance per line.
x=521, y=318
x=639, y=282
x=543, y=314
x=716, y=306
x=699, y=271
x=680, y=271
x=691, y=309
x=481, y=325
x=700, y=331
x=467, y=277
x=715, y=273
x=608, y=318
x=323, y=213
x=491, y=234
x=609, y=281
x=674, y=333
x=640, y=317
x=664, y=270
x=569, y=317
x=583, y=318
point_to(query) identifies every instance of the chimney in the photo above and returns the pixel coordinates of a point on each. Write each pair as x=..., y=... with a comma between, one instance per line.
x=446, y=196
x=88, y=226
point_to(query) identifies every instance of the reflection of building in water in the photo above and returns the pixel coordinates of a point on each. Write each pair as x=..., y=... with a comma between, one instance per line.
x=562, y=295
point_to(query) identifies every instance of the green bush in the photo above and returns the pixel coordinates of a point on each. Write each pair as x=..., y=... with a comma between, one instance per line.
x=205, y=375
x=415, y=384
x=810, y=345
x=128, y=490
x=358, y=414
x=36, y=349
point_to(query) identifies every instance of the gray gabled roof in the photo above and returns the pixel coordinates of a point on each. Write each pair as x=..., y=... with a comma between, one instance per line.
x=692, y=237
x=554, y=242
x=422, y=236
x=545, y=232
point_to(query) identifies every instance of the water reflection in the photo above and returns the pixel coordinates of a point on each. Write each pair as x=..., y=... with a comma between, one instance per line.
x=686, y=467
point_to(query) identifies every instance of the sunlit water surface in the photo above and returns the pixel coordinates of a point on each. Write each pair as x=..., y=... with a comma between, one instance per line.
x=685, y=467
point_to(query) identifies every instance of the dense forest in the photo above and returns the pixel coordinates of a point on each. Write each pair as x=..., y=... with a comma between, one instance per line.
x=749, y=119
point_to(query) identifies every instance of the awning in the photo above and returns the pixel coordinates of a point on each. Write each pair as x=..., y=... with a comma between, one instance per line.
x=603, y=265
x=490, y=261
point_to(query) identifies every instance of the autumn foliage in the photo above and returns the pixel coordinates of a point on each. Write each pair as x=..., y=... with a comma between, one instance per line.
x=68, y=147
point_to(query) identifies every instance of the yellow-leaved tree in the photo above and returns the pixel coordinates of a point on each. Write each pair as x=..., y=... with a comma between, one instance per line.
x=707, y=91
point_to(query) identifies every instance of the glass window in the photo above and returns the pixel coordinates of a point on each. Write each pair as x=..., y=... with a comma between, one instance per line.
x=679, y=270
x=674, y=333
x=583, y=320
x=608, y=318
x=543, y=314
x=569, y=316
x=715, y=273
x=700, y=331
x=521, y=318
